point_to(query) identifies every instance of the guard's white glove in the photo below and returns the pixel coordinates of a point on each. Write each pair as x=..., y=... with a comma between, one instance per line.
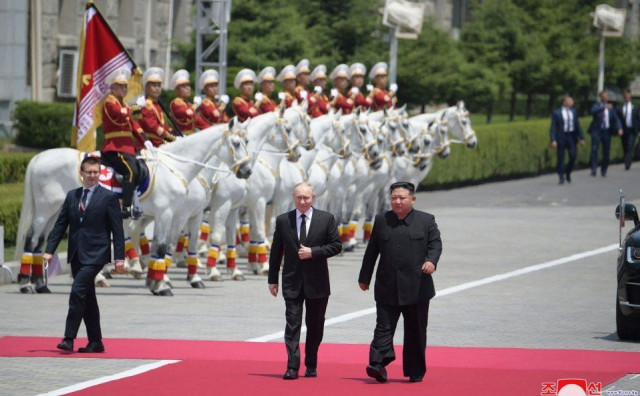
x=141, y=101
x=355, y=90
x=224, y=99
x=197, y=100
x=148, y=145
x=393, y=87
x=281, y=95
x=317, y=89
x=259, y=96
x=369, y=87
x=304, y=94
x=334, y=92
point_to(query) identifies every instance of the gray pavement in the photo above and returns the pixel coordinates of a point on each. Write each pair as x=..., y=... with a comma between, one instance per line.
x=487, y=230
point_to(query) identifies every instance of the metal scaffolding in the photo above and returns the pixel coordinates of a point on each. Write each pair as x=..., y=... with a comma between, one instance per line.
x=212, y=18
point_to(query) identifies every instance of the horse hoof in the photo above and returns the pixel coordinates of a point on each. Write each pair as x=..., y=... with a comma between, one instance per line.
x=348, y=248
x=107, y=274
x=169, y=284
x=238, y=277
x=164, y=292
x=27, y=289
x=137, y=275
x=43, y=290
x=197, y=285
x=215, y=278
x=102, y=283
x=182, y=264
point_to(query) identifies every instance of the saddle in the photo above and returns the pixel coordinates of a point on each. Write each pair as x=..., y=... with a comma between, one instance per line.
x=112, y=180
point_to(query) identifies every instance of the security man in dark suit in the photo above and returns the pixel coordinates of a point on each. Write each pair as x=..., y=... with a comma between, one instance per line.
x=605, y=123
x=565, y=133
x=408, y=243
x=630, y=119
x=92, y=214
x=307, y=237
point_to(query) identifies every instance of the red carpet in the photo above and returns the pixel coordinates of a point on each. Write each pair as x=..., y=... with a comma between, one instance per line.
x=242, y=368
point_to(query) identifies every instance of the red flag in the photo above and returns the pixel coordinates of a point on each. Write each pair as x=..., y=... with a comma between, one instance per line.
x=100, y=54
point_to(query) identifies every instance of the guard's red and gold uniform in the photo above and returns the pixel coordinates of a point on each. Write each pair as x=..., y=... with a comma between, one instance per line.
x=152, y=122
x=296, y=93
x=288, y=99
x=211, y=113
x=343, y=102
x=318, y=105
x=362, y=101
x=267, y=104
x=381, y=99
x=119, y=127
x=243, y=108
x=184, y=114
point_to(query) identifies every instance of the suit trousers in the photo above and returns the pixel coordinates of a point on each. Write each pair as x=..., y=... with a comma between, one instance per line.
x=314, y=320
x=416, y=317
x=83, y=304
x=628, y=139
x=126, y=165
x=566, y=142
x=602, y=136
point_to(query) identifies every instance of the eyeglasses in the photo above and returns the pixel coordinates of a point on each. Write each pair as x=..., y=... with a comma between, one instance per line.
x=407, y=185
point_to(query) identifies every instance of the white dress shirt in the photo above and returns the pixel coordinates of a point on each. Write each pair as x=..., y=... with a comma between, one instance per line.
x=627, y=114
x=567, y=116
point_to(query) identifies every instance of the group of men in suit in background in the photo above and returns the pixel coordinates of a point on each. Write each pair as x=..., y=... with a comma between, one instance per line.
x=566, y=133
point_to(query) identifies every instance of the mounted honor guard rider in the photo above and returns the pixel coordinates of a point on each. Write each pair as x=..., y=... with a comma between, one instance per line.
x=119, y=128
x=287, y=78
x=381, y=98
x=243, y=108
x=302, y=80
x=357, y=71
x=318, y=102
x=340, y=101
x=151, y=116
x=211, y=112
x=265, y=80
x=181, y=109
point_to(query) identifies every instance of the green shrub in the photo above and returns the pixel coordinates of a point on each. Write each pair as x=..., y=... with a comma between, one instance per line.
x=507, y=151
x=13, y=166
x=43, y=125
x=10, y=206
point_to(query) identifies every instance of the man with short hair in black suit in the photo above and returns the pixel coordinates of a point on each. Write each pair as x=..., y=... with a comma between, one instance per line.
x=92, y=214
x=306, y=237
x=604, y=124
x=409, y=245
x=565, y=133
x=630, y=119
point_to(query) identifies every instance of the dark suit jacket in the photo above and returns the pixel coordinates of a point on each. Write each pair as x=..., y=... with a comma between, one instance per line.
x=309, y=277
x=557, y=124
x=399, y=279
x=635, y=117
x=597, y=111
x=90, y=239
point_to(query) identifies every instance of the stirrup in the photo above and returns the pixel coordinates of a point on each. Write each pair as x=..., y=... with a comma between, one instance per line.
x=136, y=213
x=126, y=213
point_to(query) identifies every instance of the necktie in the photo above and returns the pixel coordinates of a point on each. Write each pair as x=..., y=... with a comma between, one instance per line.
x=83, y=201
x=303, y=229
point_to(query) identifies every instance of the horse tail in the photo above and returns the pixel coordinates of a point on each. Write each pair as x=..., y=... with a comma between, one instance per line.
x=27, y=211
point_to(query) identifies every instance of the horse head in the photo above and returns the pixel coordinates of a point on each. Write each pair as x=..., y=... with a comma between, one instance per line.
x=237, y=155
x=460, y=126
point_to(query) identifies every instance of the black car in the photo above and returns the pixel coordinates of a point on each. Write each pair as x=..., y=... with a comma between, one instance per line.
x=628, y=295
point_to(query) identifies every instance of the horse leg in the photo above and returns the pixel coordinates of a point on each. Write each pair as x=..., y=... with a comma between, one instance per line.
x=157, y=263
x=232, y=266
x=192, y=260
x=259, y=265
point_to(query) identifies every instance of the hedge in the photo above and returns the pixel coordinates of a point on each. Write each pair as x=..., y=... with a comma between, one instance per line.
x=10, y=206
x=13, y=166
x=507, y=151
x=43, y=125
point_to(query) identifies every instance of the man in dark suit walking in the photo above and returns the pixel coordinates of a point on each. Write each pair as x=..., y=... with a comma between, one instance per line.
x=307, y=237
x=92, y=214
x=408, y=243
x=565, y=133
x=604, y=124
x=630, y=119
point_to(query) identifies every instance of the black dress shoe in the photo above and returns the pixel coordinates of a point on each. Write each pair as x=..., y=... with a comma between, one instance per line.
x=377, y=372
x=66, y=345
x=561, y=181
x=415, y=378
x=311, y=372
x=92, y=347
x=604, y=174
x=593, y=173
x=290, y=374
x=568, y=178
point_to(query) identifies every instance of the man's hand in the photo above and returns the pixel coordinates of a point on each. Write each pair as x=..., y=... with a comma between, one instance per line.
x=428, y=267
x=363, y=286
x=581, y=142
x=47, y=257
x=620, y=132
x=304, y=252
x=554, y=144
x=119, y=266
x=273, y=288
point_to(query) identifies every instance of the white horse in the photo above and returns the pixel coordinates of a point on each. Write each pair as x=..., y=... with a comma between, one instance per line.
x=52, y=173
